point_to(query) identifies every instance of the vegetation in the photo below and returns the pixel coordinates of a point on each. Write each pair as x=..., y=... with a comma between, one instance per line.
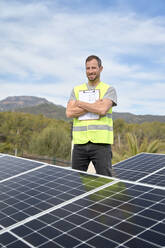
x=22, y=134
x=131, y=139
x=49, y=110
x=37, y=105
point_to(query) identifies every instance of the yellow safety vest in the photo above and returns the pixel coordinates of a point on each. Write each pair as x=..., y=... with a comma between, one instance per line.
x=96, y=131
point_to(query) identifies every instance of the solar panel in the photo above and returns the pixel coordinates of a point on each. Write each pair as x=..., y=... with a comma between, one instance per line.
x=39, y=190
x=110, y=217
x=11, y=166
x=51, y=206
x=144, y=167
x=156, y=178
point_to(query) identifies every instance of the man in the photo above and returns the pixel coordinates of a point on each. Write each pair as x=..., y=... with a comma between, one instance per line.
x=90, y=105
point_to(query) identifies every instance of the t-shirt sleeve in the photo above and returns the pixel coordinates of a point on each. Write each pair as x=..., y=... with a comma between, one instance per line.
x=111, y=94
x=72, y=95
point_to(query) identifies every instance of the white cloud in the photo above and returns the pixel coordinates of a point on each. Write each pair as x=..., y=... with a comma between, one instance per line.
x=38, y=42
x=52, y=92
x=140, y=99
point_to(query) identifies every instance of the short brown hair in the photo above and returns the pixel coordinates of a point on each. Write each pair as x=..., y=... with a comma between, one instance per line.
x=94, y=57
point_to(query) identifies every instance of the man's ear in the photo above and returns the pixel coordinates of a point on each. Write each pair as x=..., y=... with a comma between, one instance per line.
x=101, y=68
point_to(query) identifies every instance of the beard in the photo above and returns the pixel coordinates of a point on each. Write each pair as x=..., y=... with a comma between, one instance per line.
x=92, y=77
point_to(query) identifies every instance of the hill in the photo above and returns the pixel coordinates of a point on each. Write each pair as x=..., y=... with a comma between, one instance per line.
x=14, y=102
x=37, y=105
x=132, y=118
x=49, y=110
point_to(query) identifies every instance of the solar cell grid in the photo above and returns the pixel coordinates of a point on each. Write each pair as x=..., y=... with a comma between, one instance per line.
x=123, y=174
x=141, y=166
x=143, y=161
x=94, y=222
x=50, y=206
x=10, y=240
x=40, y=190
x=157, y=178
x=10, y=166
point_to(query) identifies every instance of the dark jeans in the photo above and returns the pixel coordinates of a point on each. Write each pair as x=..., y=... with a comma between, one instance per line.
x=99, y=154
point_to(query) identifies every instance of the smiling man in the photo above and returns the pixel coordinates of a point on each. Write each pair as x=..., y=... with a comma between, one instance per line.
x=90, y=106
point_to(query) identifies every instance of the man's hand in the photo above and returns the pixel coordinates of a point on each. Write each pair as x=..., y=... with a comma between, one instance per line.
x=99, y=107
x=73, y=110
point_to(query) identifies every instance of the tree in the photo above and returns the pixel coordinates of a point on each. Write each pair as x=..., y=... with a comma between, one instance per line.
x=53, y=141
x=135, y=146
x=119, y=128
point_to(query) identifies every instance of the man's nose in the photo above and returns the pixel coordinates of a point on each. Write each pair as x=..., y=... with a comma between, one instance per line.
x=90, y=70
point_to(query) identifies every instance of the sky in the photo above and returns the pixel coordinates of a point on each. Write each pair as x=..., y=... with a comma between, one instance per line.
x=44, y=44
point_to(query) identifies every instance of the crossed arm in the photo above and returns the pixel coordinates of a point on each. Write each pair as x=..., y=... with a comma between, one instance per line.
x=78, y=108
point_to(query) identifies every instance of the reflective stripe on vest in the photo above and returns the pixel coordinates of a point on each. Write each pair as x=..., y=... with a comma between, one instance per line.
x=109, y=115
x=93, y=127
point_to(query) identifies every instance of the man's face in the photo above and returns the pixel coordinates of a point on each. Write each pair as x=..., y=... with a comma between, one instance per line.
x=93, y=70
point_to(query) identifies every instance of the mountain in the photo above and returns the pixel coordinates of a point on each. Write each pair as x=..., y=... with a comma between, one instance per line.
x=14, y=102
x=132, y=118
x=37, y=105
x=50, y=110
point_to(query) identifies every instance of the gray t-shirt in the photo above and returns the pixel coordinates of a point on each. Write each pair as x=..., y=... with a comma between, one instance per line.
x=110, y=94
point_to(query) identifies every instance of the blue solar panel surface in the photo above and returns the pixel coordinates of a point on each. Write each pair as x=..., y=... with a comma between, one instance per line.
x=151, y=167
x=49, y=206
x=157, y=178
x=42, y=189
x=10, y=166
